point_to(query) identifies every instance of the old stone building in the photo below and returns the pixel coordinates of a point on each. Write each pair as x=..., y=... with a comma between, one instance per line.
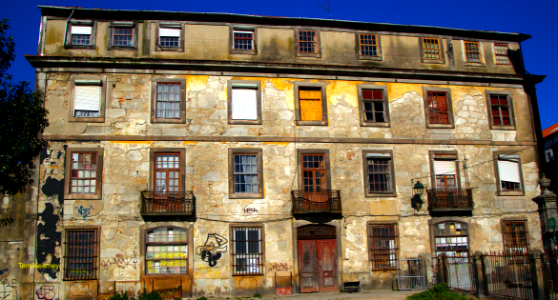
x=221, y=154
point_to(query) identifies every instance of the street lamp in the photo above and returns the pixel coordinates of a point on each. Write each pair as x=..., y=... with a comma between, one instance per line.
x=418, y=190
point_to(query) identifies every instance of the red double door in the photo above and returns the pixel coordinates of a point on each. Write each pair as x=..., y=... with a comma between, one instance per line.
x=317, y=261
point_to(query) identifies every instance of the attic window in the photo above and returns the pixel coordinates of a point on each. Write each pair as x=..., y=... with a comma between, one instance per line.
x=431, y=48
x=307, y=41
x=81, y=35
x=169, y=35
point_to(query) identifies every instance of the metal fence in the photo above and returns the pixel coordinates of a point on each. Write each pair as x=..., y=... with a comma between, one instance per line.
x=550, y=270
x=411, y=274
x=508, y=276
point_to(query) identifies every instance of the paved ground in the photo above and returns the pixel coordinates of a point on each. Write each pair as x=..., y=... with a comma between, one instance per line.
x=383, y=295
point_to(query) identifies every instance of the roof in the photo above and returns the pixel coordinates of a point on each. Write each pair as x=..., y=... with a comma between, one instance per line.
x=550, y=130
x=120, y=14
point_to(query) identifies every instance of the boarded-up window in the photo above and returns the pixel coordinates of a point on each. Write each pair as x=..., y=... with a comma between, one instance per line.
x=87, y=98
x=311, y=106
x=244, y=103
x=166, y=251
x=508, y=172
x=438, y=108
x=515, y=237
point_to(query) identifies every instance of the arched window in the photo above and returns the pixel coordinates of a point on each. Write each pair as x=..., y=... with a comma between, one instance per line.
x=452, y=239
x=166, y=251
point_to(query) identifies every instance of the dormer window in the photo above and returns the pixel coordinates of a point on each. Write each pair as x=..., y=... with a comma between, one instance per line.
x=80, y=34
x=170, y=36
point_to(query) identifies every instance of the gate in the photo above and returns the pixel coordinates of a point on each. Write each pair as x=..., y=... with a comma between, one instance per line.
x=411, y=274
x=508, y=276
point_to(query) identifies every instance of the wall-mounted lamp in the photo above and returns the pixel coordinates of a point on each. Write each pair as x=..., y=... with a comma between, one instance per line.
x=418, y=190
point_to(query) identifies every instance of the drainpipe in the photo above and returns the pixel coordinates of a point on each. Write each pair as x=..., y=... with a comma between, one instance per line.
x=67, y=22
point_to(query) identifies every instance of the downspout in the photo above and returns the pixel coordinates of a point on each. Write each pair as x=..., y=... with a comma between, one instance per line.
x=67, y=22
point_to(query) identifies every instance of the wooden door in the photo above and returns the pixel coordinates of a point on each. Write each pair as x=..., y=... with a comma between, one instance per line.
x=307, y=265
x=327, y=265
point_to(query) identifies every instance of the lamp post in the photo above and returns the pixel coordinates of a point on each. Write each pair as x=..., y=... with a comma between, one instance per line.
x=418, y=190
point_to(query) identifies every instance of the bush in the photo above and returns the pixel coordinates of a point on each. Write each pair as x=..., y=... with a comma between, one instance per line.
x=438, y=292
x=144, y=296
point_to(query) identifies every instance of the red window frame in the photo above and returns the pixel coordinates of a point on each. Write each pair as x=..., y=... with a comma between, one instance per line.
x=438, y=107
x=500, y=109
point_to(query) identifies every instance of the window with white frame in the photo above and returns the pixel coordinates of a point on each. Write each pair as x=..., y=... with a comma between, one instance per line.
x=169, y=35
x=81, y=33
x=247, y=251
x=87, y=98
x=508, y=172
x=243, y=39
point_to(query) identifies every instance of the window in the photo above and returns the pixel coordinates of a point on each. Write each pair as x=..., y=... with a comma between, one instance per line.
x=81, y=254
x=314, y=178
x=452, y=239
x=502, y=53
x=307, y=42
x=243, y=40
x=509, y=174
x=374, y=106
x=472, y=52
x=378, y=173
x=87, y=99
x=500, y=110
x=170, y=36
x=383, y=246
x=168, y=100
x=81, y=34
x=515, y=237
x=445, y=172
x=167, y=170
x=368, y=44
x=438, y=108
x=166, y=251
x=247, y=255
x=431, y=49
x=311, y=104
x=244, y=102
x=122, y=35
x=84, y=169
x=245, y=173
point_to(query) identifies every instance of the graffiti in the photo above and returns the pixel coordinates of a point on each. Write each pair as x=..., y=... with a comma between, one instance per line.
x=250, y=210
x=6, y=284
x=46, y=292
x=207, y=272
x=84, y=212
x=211, y=251
x=80, y=289
x=277, y=267
x=39, y=266
x=6, y=221
x=121, y=261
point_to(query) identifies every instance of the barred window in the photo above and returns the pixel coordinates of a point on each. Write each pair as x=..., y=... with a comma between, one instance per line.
x=167, y=172
x=472, y=52
x=247, y=251
x=243, y=40
x=168, y=100
x=166, y=251
x=307, y=41
x=431, y=48
x=368, y=44
x=81, y=254
x=379, y=172
x=383, y=246
x=438, y=108
x=515, y=237
x=452, y=239
x=502, y=54
x=123, y=37
x=83, y=174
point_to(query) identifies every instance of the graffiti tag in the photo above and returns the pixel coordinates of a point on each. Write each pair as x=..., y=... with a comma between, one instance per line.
x=46, y=292
x=209, y=272
x=121, y=261
x=250, y=210
x=6, y=284
x=211, y=251
x=84, y=212
x=277, y=267
x=6, y=221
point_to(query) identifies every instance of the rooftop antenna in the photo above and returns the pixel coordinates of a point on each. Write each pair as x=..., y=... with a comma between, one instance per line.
x=328, y=10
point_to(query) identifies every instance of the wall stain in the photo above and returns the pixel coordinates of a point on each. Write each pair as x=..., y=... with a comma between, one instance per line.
x=48, y=239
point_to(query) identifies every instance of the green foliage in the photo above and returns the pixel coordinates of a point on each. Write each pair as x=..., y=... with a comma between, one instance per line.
x=438, y=292
x=150, y=296
x=257, y=295
x=23, y=122
x=121, y=297
x=202, y=298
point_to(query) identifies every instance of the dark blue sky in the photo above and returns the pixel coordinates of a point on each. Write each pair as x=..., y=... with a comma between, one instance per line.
x=535, y=17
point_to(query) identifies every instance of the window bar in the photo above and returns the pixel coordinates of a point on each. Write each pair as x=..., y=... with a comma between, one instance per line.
x=248, y=252
x=81, y=257
x=383, y=247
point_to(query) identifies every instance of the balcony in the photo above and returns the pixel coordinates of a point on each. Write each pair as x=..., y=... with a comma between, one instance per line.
x=325, y=201
x=167, y=203
x=450, y=200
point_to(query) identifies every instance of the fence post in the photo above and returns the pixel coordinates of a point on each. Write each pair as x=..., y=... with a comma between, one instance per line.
x=443, y=268
x=534, y=276
x=546, y=280
x=483, y=271
x=477, y=273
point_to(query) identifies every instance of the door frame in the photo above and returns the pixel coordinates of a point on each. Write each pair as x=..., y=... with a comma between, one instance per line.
x=338, y=228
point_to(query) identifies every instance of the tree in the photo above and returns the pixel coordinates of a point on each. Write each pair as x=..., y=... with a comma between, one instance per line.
x=22, y=123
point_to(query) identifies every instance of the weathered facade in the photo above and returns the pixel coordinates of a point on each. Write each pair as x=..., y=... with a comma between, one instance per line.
x=216, y=154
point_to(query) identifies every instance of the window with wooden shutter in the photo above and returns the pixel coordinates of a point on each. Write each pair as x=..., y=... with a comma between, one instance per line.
x=310, y=104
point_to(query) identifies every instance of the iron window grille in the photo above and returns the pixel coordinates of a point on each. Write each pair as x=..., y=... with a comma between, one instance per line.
x=243, y=40
x=515, y=238
x=438, y=108
x=167, y=172
x=500, y=110
x=368, y=44
x=502, y=53
x=452, y=239
x=81, y=254
x=472, y=52
x=307, y=41
x=379, y=174
x=431, y=48
x=245, y=173
x=247, y=256
x=168, y=100
x=374, y=105
x=123, y=37
x=383, y=246
x=166, y=251
x=83, y=176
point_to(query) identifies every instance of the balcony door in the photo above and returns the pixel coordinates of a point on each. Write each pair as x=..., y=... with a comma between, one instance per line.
x=314, y=177
x=446, y=176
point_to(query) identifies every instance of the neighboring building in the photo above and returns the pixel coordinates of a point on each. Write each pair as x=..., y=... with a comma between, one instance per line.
x=550, y=147
x=214, y=152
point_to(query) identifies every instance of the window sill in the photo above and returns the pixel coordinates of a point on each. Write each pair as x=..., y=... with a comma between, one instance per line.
x=369, y=195
x=245, y=122
x=375, y=58
x=311, y=123
x=511, y=193
x=92, y=47
x=507, y=128
x=374, y=124
x=434, y=61
x=82, y=197
x=87, y=119
x=316, y=55
x=159, y=48
x=167, y=121
x=246, y=196
x=473, y=64
x=248, y=52
x=440, y=126
x=122, y=48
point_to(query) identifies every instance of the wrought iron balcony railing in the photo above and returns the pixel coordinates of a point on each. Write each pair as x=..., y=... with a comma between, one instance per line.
x=325, y=201
x=451, y=199
x=167, y=203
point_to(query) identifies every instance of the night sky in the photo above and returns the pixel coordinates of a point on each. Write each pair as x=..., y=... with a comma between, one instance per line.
x=537, y=18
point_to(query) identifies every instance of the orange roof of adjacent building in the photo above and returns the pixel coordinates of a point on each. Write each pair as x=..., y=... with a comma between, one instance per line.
x=550, y=130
